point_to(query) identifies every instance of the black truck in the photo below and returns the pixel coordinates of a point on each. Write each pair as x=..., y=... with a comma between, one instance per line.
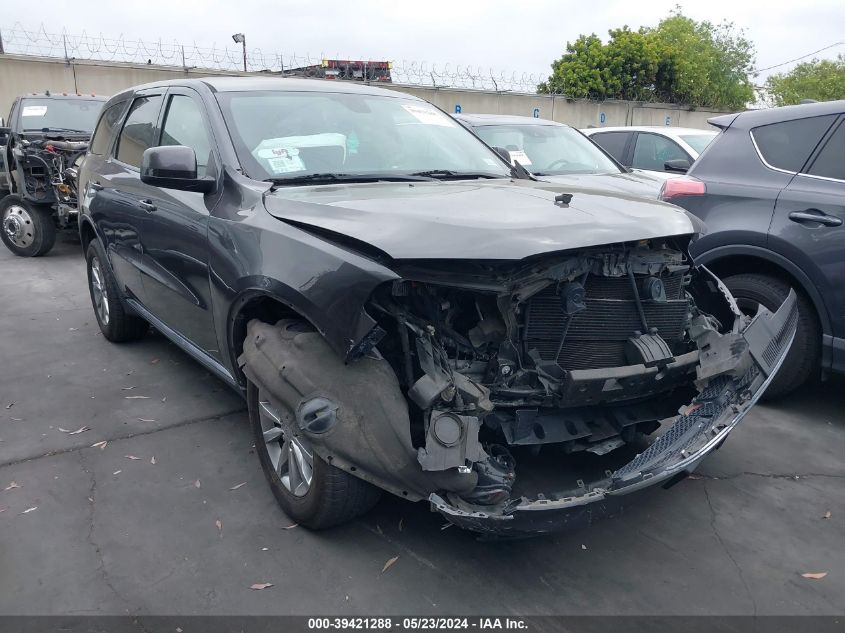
x=45, y=137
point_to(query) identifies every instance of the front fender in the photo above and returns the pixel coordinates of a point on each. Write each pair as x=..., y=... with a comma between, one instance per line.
x=321, y=282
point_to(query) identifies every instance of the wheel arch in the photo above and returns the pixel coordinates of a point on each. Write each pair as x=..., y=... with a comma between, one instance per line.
x=726, y=260
x=87, y=232
x=251, y=304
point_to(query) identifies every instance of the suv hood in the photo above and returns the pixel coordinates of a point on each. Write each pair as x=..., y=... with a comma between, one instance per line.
x=633, y=184
x=492, y=219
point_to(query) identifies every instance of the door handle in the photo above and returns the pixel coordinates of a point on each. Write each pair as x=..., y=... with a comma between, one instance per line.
x=812, y=215
x=148, y=206
x=95, y=186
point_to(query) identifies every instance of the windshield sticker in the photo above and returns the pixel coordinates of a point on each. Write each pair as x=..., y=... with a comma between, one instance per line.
x=36, y=110
x=491, y=161
x=428, y=116
x=282, y=155
x=283, y=161
x=519, y=155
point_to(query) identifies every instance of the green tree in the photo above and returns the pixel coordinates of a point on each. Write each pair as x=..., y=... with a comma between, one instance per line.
x=822, y=80
x=678, y=61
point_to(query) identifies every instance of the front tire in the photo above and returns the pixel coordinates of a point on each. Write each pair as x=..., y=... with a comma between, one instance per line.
x=27, y=229
x=311, y=492
x=115, y=322
x=803, y=358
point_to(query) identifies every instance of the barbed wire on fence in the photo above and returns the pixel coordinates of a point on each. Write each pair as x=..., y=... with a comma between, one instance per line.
x=21, y=41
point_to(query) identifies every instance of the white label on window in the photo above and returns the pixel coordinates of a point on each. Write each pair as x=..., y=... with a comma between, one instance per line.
x=428, y=116
x=283, y=160
x=491, y=161
x=519, y=155
x=34, y=111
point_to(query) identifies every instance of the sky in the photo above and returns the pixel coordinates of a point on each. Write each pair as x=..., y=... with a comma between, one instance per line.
x=502, y=35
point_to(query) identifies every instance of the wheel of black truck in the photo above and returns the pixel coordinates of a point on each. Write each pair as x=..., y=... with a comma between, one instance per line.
x=28, y=230
x=116, y=324
x=310, y=491
x=753, y=289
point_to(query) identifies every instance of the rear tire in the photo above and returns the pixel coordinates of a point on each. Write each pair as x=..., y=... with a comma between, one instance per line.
x=27, y=229
x=115, y=322
x=332, y=495
x=802, y=361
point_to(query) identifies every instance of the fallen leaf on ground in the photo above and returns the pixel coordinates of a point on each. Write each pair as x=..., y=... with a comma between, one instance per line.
x=81, y=429
x=10, y=405
x=100, y=445
x=264, y=549
x=219, y=525
x=3, y=508
x=818, y=575
x=137, y=397
x=145, y=420
x=400, y=524
x=164, y=399
x=16, y=419
x=153, y=361
x=12, y=486
x=127, y=388
x=153, y=460
x=290, y=527
x=197, y=484
x=34, y=508
x=583, y=546
x=238, y=486
x=826, y=515
x=389, y=564
x=131, y=457
x=117, y=472
x=261, y=585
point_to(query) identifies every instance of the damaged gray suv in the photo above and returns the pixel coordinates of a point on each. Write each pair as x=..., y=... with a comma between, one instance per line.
x=404, y=311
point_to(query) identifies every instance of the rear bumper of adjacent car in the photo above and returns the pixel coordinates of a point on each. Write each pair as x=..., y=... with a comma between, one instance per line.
x=721, y=404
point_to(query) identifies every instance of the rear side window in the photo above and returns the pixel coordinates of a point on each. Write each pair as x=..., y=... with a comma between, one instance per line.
x=830, y=163
x=139, y=131
x=612, y=142
x=787, y=145
x=106, y=128
x=652, y=151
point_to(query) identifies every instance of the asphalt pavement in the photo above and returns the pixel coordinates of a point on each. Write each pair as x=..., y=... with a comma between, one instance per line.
x=172, y=514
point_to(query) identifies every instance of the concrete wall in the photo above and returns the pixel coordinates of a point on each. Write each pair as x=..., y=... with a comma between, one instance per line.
x=22, y=74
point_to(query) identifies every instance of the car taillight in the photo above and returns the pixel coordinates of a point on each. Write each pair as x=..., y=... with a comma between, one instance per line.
x=683, y=186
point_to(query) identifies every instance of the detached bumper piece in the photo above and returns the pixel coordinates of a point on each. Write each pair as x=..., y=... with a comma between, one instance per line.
x=733, y=374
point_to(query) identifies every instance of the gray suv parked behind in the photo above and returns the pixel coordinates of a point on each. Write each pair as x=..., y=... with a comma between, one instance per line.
x=771, y=189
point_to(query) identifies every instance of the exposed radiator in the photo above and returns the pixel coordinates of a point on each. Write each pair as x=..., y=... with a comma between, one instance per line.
x=597, y=335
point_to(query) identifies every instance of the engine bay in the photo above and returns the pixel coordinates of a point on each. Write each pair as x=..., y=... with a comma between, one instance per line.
x=584, y=352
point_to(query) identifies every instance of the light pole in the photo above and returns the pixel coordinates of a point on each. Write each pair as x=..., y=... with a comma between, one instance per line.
x=240, y=38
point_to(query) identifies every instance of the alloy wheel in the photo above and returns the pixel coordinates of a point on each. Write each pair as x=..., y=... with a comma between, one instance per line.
x=99, y=292
x=292, y=458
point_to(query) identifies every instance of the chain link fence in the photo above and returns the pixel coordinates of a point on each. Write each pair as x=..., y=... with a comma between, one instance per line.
x=21, y=41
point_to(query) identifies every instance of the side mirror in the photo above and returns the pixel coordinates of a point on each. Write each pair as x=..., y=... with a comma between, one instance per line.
x=173, y=167
x=677, y=165
x=501, y=151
